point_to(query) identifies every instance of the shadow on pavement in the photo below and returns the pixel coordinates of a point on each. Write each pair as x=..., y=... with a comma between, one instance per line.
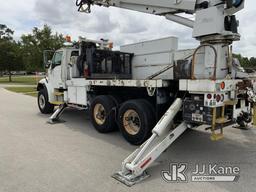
x=194, y=146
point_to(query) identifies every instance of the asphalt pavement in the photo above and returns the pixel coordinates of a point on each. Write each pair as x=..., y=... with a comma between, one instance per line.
x=73, y=157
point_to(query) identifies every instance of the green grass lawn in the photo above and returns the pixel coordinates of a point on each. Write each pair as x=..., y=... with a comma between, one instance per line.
x=24, y=90
x=24, y=80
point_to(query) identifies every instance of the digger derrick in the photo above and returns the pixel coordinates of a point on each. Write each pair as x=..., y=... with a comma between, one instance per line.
x=153, y=81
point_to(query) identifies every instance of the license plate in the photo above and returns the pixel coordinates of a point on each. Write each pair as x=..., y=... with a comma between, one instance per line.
x=197, y=117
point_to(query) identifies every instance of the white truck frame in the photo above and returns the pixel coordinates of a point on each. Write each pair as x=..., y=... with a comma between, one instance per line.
x=208, y=92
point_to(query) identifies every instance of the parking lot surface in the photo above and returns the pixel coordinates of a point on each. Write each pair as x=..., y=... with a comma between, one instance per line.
x=73, y=157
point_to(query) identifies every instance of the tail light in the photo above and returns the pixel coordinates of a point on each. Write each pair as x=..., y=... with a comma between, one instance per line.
x=209, y=96
x=218, y=98
x=222, y=98
x=222, y=85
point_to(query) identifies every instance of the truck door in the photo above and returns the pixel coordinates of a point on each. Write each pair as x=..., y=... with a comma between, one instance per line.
x=55, y=70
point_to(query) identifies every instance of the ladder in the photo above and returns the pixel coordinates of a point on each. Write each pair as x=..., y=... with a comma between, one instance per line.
x=135, y=165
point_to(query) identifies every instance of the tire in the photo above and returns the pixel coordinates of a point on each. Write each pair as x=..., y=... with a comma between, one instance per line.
x=118, y=101
x=136, y=120
x=43, y=102
x=102, y=114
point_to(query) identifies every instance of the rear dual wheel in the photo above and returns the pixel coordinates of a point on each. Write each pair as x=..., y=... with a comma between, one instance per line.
x=102, y=114
x=136, y=120
x=135, y=117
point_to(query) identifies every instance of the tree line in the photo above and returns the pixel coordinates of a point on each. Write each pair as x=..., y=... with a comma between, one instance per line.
x=27, y=52
x=246, y=62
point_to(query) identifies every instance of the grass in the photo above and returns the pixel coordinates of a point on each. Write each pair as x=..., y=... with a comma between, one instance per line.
x=24, y=90
x=32, y=94
x=23, y=80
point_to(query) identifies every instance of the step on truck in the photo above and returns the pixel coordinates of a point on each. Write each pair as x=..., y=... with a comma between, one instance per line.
x=152, y=91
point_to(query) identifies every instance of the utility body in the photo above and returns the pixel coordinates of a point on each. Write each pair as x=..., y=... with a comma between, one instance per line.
x=153, y=81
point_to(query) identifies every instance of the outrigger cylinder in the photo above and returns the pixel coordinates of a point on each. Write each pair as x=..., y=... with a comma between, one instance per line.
x=134, y=166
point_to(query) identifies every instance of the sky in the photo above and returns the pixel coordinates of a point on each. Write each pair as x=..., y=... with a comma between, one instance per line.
x=118, y=25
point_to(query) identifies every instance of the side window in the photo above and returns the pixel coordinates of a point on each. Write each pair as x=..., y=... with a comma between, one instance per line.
x=57, y=58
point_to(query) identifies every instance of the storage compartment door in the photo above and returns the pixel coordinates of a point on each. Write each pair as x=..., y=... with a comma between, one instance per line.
x=72, y=95
x=81, y=96
x=77, y=95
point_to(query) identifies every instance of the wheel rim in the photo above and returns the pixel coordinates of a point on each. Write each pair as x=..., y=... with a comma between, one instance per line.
x=99, y=114
x=131, y=122
x=41, y=101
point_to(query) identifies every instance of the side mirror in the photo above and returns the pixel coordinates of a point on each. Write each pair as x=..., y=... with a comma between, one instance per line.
x=48, y=64
x=47, y=58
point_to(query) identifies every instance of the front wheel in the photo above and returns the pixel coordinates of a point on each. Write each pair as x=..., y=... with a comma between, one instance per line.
x=43, y=102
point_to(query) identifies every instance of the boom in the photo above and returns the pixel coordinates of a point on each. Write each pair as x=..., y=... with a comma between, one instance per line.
x=208, y=13
x=160, y=7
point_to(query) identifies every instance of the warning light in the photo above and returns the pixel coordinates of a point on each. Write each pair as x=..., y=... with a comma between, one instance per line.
x=68, y=39
x=110, y=45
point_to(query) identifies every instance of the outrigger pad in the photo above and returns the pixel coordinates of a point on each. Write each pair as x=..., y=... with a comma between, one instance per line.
x=248, y=127
x=127, y=181
x=55, y=121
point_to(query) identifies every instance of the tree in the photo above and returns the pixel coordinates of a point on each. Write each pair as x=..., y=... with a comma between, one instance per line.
x=5, y=32
x=245, y=61
x=35, y=43
x=10, y=51
x=253, y=62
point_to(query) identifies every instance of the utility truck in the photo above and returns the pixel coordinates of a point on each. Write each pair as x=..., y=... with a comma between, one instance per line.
x=152, y=91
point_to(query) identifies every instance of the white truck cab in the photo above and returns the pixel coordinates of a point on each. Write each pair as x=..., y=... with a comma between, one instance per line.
x=58, y=70
x=56, y=78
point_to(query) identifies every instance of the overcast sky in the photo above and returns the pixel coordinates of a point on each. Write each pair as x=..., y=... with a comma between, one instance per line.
x=118, y=25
